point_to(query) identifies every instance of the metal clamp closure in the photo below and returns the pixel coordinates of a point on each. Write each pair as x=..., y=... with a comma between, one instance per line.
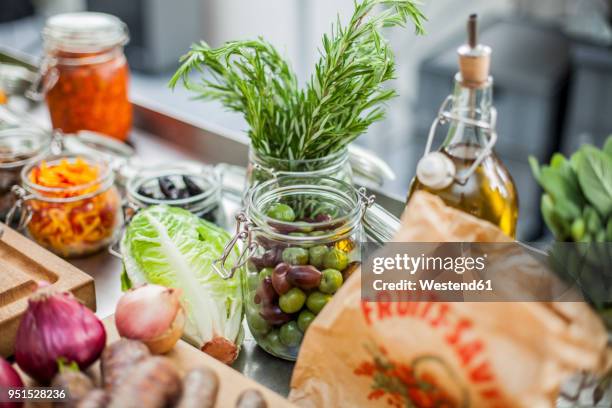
x=244, y=227
x=19, y=208
x=445, y=116
x=365, y=200
x=46, y=79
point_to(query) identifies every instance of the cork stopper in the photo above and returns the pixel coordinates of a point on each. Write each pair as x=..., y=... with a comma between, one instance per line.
x=474, y=58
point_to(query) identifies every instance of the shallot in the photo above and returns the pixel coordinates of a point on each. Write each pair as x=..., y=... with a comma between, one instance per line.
x=152, y=314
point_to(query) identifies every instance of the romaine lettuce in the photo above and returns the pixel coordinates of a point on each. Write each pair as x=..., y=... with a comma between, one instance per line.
x=172, y=247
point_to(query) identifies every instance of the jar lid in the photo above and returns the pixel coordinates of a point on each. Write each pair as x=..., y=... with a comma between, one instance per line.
x=22, y=144
x=84, y=32
x=96, y=144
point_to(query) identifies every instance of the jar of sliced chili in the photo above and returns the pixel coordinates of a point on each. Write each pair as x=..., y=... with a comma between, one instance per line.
x=85, y=74
x=68, y=204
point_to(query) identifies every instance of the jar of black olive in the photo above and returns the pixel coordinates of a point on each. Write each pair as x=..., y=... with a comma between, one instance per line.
x=191, y=186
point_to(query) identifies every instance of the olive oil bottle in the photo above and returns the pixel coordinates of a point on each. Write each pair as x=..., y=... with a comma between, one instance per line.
x=466, y=173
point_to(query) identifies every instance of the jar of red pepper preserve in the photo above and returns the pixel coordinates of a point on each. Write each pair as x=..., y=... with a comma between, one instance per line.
x=85, y=74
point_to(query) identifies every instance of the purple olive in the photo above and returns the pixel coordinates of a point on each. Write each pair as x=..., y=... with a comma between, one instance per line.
x=304, y=276
x=283, y=228
x=323, y=218
x=272, y=257
x=274, y=315
x=265, y=293
x=268, y=243
x=255, y=263
x=279, y=278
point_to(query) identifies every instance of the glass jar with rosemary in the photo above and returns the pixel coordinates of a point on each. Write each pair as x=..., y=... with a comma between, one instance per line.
x=290, y=123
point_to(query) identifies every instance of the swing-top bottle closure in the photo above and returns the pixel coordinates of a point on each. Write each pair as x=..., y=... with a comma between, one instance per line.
x=435, y=170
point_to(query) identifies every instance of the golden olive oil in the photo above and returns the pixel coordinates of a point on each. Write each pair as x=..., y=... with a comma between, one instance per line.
x=489, y=193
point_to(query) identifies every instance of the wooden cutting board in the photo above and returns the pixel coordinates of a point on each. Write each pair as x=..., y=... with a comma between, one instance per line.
x=23, y=263
x=186, y=357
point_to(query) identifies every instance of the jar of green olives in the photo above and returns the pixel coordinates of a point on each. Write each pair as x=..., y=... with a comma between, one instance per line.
x=302, y=240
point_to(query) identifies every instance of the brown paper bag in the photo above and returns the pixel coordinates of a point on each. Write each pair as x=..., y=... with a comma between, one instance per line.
x=435, y=354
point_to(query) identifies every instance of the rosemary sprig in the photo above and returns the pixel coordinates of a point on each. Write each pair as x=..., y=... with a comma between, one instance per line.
x=343, y=97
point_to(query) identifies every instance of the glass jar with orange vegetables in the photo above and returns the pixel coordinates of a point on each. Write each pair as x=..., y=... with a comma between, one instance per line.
x=68, y=204
x=84, y=74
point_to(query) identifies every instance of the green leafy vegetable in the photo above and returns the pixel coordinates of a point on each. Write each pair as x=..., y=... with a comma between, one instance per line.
x=578, y=193
x=343, y=97
x=171, y=247
x=594, y=170
x=608, y=147
x=577, y=207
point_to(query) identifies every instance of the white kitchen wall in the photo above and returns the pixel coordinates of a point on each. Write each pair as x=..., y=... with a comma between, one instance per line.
x=294, y=26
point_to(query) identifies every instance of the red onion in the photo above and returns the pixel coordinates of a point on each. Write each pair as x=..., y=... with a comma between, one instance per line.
x=9, y=379
x=54, y=326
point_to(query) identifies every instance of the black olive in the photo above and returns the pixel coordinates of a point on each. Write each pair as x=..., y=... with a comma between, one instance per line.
x=183, y=193
x=191, y=186
x=211, y=215
x=168, y=188
x=145, y=192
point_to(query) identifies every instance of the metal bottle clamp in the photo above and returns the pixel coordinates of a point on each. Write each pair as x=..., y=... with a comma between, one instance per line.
x=19, y=208
x=435, y=169
x=244, y=228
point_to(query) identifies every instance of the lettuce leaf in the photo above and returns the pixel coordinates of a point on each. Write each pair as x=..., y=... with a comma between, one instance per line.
x=170, y=246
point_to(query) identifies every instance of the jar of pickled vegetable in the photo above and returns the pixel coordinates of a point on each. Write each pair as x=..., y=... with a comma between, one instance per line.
x=85, y=74
x=18, y=147
x=69, y=204
x=302, y=242
x=193, y=187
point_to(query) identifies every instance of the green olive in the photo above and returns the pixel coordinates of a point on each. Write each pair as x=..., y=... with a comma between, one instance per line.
x=331, y=280
x=290, y=335
x=273, y=342
x=251, y=266
x=264, y=273
x=281, y=212
x=317, y=255
x=303, y=227
x=335, y=259
x=304, y=319
x=253, y=280
x=292, y=301
x=295, y=256
x=257, y=324
x=316, y=301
